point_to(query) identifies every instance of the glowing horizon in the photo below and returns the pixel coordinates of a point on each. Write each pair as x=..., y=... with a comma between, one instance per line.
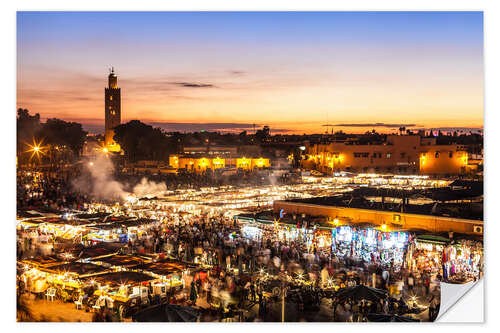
x=291, y=71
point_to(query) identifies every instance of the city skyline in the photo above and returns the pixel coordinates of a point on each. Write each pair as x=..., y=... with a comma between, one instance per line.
x=293, y=71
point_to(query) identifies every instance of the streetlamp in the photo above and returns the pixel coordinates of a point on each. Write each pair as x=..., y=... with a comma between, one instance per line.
x=283, y=291
x=283, y=295
x=36, y=149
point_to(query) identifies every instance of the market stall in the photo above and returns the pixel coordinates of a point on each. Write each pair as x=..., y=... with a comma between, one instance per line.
x=425, y=253
x=64, y=278
x=67, y=278
x=124, y=291
x=322, y=238
x=251, y=231
x=169, y=275
x=369, y=244
x=120, y=261
x=94, y=252
x=462, y=261
x=27, y=224
x=63, y=228
x=107, y=233
x=41, y=261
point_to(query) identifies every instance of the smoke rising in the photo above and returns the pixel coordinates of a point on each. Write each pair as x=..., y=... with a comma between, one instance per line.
x=149, y=189
x=272, y=180
x=97, y=180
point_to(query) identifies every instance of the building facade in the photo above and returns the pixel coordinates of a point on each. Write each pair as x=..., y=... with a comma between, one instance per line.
x=203, y=163
x=386, y=220
x=112, y=111
x=411, y=154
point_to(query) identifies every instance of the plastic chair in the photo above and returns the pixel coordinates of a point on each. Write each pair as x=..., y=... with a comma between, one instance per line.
x=96, y=306
x=79, y=303
x=51, y=293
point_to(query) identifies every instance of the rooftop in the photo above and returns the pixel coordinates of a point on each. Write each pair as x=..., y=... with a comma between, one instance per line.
x=471, y=210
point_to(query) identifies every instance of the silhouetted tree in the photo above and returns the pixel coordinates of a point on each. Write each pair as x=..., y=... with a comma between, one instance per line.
x=27, y=128
x=143, y=142
x=58, y=132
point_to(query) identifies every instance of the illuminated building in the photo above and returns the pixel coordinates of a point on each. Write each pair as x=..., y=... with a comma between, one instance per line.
x=437, y=160
x=408, y=154
x=243, y=163
x=112, y=111
x=202, y=164
x=223, y=151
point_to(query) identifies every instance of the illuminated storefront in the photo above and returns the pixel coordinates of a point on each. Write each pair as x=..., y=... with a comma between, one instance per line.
x=425, y=253
x=370, y=245
x=460, y=260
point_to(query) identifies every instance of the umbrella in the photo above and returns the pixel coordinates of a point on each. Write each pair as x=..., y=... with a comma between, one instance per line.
x=360, y=292
x=167, y=313
x=382, y=317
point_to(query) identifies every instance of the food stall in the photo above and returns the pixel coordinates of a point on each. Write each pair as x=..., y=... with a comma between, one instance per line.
x=41, y=261
x=35, y=281
x=57, y=227
x=136, y=228
x=67, y=277
x=26, y=224
x=63, y=228
x=119, y=229
x=125, y=291
x=168, y=275
x=107, y=233
x=93, y=252
x=120, y=261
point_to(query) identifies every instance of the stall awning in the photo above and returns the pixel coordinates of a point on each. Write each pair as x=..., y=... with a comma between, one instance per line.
x=432, y=239
x=244, y=218
x=264, y=221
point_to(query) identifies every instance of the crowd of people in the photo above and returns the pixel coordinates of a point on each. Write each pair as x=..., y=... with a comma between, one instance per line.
x=241, y=268
x=48, y=190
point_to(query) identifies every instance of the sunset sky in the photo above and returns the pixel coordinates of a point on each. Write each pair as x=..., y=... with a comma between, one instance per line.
x=293, y=71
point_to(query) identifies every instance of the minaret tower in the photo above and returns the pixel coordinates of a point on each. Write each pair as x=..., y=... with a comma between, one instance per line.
x=112, y=112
